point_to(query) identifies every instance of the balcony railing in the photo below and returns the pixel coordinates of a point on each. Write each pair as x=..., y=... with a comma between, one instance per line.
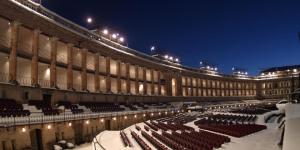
x=40, y=118
x=23, y=80
x=4, y=77
x=44, y=83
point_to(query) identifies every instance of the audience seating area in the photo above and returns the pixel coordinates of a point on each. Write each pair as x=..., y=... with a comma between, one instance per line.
x=172, y=144
x=140, y=141
x=226, y=118
x=68, y=105
x=10, y=108
x=45, y=107
x=125, y=139
x=154, y=142
x=178, y=118
x=102, y=107
x=229, y=124
x=172, y=127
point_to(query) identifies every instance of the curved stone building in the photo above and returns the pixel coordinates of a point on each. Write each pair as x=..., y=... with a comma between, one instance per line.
x=46, y=57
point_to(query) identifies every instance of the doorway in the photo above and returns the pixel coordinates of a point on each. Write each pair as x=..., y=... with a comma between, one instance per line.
x=107, y=125
x=36, y=139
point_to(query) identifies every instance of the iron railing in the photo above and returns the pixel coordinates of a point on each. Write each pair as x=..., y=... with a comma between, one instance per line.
x=39, y=118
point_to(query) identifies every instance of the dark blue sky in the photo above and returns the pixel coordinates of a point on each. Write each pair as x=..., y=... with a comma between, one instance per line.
x=252, y=34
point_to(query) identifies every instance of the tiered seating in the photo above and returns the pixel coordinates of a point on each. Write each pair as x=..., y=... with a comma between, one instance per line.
x=130, y=106
x=140, y=141
x=172, y=144
x=46, y=108
x=213, y=139
x=142, y=106
x=178, y=118
x=10, y=108
x=72, y=107
x=137, y=128
x=253, y=111
x=173, y=127
x=146, y=128
x=102, y=107
x=228, y=126
x=151, y=126
x=154, y=142
x=187, y=142
x=232, y=118
x=125, y=139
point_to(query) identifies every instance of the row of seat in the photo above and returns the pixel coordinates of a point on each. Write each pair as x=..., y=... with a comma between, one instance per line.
x=68, y=105
x=153, y=127
x=140, y=141
x=178, y=118
x=236, y=130
x=232, y=118
x=193, y=145
x=102, y=107
x=125, y=139
x=10, y=108
x=170, y=143
x=153, y=141
x=213, y=139
x=172, y=126
x=44, y=106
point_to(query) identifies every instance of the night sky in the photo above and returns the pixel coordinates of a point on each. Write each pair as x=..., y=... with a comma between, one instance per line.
x=254, y=34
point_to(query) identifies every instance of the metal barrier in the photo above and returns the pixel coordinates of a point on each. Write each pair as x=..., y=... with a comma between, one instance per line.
x=38, y=118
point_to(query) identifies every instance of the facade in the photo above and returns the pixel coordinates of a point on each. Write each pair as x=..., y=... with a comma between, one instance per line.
x=44, y=56
x=48, y=54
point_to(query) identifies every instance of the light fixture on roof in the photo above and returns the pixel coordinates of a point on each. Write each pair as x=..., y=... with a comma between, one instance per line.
x=121, y=39
x=177, y=60
x=89, y=20
x=171, y=58
x=294, y=70
x=105, y=31
x=114, y=36
x=152, y=48
x=166, y=56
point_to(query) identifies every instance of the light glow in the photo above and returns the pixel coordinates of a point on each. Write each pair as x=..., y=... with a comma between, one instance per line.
x=114, y=36
x=23, y=129
x=89, y=20
x=105, y=31
x=121, y=39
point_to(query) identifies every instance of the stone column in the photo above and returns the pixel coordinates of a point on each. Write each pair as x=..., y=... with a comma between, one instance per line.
x=127, y=78
x=35, y=57
x=108, y=83
x=97, y=82
x=137, y=79
x=152, y=81
x=186, y=87
x=53, y=48
x=192, y=87
x=13, y=52
x=70, y=67
x=197, y=87
x=159, y=84
x=145, y=81
x=119, y=76
x=83, y=73
x=179, y=85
